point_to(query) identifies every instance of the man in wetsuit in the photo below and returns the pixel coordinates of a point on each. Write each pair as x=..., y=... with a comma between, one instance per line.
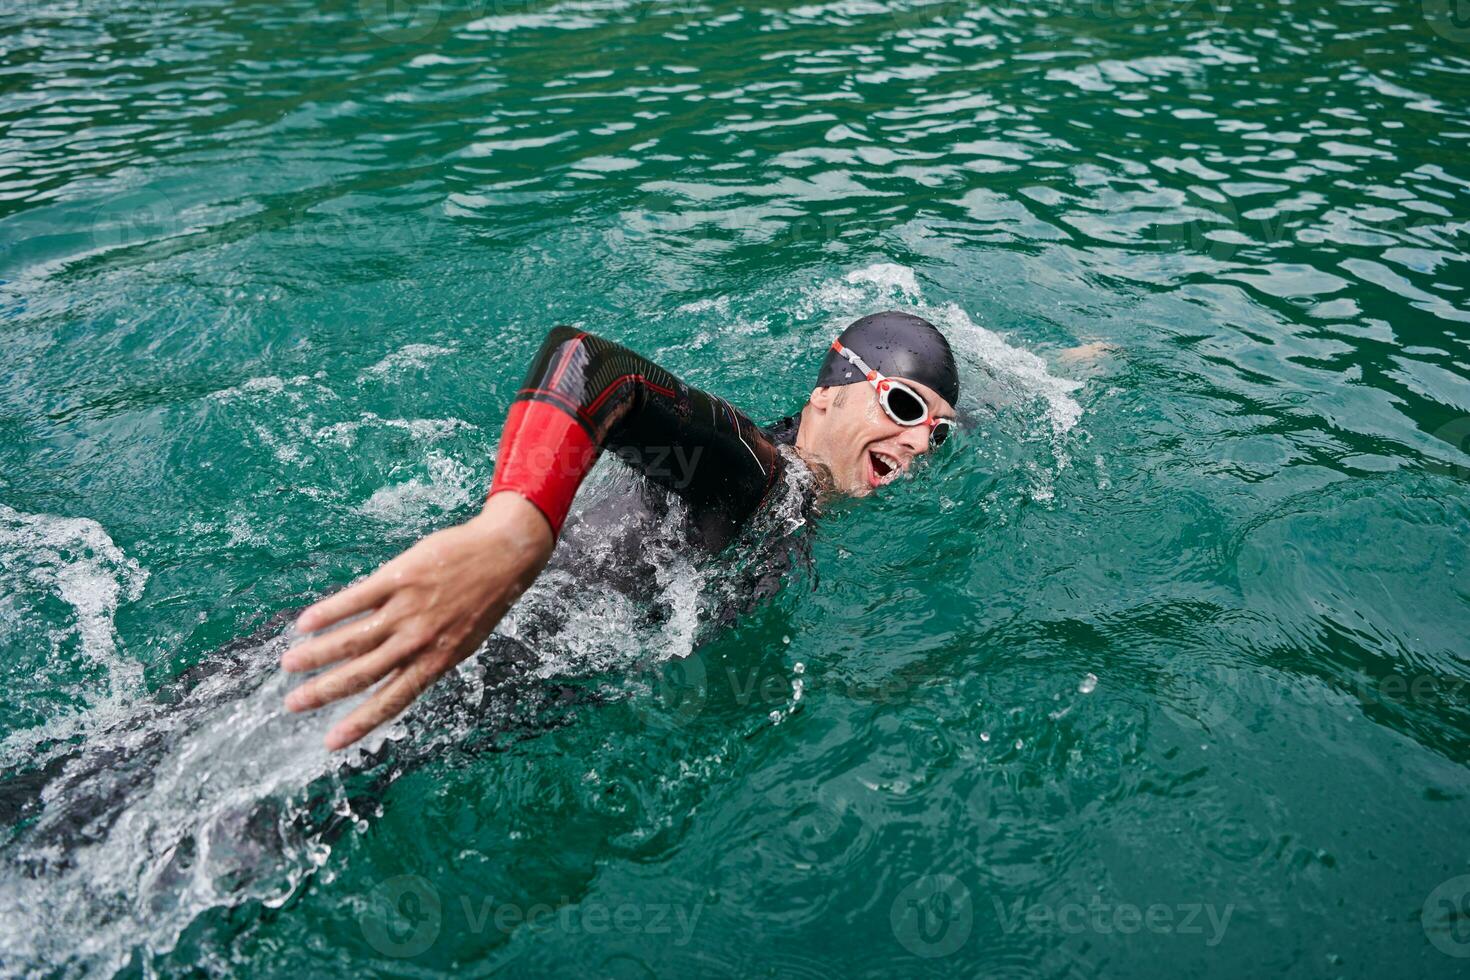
x=885, y=396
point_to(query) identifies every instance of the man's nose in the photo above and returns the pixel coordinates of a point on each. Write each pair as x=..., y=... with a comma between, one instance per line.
x=916, y=437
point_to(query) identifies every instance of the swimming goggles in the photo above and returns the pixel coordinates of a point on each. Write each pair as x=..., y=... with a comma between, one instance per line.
x=903, y=404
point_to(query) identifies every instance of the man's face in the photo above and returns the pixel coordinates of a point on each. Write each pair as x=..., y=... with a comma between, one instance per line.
x=845, y=428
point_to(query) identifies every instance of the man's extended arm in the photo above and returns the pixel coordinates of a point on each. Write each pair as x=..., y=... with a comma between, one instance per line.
x=433, y=605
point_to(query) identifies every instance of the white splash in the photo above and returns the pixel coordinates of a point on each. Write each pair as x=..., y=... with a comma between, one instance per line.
x=860, y=288
x=72, y=559
x=345, y=434
x=889, y=276
x=405, y=358
x=75, y=558
x=720, y=305
x=1016, y=364
x=211, y=825
x=450, y=484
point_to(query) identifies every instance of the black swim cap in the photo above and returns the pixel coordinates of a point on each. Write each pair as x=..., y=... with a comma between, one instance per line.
x=899, y=345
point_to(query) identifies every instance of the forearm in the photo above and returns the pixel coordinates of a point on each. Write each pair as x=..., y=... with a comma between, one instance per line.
x=518, y=527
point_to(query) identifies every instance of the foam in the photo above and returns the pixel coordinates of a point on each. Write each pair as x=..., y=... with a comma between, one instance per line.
x=406, y=358
x=184, y=839
x=345, y=434
x=450, y=485
x=75, y=560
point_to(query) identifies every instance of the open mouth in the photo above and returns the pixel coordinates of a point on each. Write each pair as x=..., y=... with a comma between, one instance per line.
x=884, y=468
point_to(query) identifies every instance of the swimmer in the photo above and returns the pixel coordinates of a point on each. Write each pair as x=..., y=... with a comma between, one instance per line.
x=884, y=397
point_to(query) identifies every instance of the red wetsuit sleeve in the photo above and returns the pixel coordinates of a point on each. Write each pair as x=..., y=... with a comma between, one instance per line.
x=584, y=394
x=544, y=455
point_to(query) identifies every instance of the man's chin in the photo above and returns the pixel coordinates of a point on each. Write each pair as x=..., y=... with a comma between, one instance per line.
x=857, y=486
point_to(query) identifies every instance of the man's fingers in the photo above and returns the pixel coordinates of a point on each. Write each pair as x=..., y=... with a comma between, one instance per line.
x=352, y=600
x=343, y=642
x=389, y=700
x=355, y=675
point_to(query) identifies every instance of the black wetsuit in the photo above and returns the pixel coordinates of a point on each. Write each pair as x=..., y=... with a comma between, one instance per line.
x=585, y=394
x=738, y=486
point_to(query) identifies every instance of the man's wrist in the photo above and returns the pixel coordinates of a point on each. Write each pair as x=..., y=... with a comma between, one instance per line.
x=516, y=522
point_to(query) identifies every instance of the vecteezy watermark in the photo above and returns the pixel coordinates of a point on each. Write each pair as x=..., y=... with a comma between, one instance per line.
x=400, y=21
x=1457, y=433
x=146, y=215
x=1450, y=19
x=1213, y=10
x=932, y=916
x=752, y=687
x=1221, y=229
x=405, y=916
x=660, y=216
x=686, y=685
x=1446, y=917
x=671, y=466
x=1220, y=697
x=921, y=14
x=680, y=688
x=135, y=218
x=1098, y=917
x=408, y=21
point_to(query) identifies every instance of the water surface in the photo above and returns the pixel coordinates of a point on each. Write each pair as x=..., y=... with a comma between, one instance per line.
x=1162, y=671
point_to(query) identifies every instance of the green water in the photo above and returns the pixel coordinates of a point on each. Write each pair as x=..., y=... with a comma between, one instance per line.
x=1162, y=672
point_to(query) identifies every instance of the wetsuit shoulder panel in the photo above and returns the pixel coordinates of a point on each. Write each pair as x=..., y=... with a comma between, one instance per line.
x=585, y=394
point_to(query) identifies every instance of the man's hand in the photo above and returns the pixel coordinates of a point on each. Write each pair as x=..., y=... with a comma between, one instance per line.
x=428, y=609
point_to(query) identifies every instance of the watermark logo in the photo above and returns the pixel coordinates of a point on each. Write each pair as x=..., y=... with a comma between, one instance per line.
x=1457, y=434
x=1208, y=698
x=919, y=14
x=133, y=219
x=1446, y=917
x=400, y=21
x=822, y=828
x=1450, y=19
x=403, y=917
x=680, y=690
x=933, y=916
x=663, y=216
x=1221, y=230
x=1204, y=919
